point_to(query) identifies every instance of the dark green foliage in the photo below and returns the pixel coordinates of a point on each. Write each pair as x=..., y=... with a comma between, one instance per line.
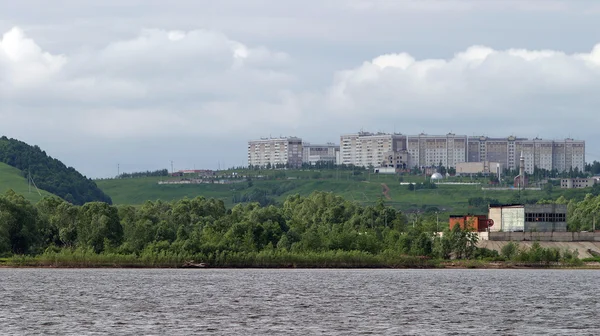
x=538, y=255
x=19, y=225
x=425, y=185
x=160, y=172
x=321, y=230
x=50, y=174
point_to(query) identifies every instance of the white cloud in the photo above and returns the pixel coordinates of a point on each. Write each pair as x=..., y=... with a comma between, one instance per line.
x=90, y=76
x=479, y=86
x=456, y=5
x=23, y=63
x=159, y=83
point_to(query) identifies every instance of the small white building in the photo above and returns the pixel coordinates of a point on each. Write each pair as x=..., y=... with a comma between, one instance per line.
x=576, y=182
x=483, y=167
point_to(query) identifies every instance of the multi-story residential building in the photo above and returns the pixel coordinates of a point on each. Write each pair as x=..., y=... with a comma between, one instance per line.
x=364, y=149
x=561, y=155
x=431, y=150
x=275, y=151
x=502, y=150
x=423, y=150
x=313, y=153
x=369, y=149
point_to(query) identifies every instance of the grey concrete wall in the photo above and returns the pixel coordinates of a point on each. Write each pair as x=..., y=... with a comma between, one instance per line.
x=581, y=247
x=545, y=236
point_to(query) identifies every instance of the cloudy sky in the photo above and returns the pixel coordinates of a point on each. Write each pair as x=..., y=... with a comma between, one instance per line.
x=141, y=83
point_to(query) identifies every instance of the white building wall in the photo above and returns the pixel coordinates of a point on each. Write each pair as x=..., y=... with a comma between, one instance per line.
x=274, y=151
x=364, y=149
x=513, y=218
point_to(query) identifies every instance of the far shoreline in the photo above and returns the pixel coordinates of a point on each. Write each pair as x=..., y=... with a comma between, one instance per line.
x=465, y=264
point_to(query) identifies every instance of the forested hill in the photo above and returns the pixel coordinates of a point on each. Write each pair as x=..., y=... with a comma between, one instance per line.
x=50, y=174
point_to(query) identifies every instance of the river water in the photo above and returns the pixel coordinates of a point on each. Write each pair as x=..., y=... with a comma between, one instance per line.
x=298, y=302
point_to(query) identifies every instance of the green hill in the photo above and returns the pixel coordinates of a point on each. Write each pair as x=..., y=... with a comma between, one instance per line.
x=12, y=178
x=364, y=188
x=50, y=174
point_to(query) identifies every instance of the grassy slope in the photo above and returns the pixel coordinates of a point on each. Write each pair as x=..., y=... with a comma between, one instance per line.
x=452, y=198
x=11, y=178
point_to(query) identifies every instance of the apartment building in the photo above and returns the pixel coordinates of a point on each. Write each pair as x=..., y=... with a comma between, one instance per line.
x=430, y=150
x=544, y=154
x=369, y=149
x=423, y=150
x=275, y=151
x=313, y=153
x=398, y=150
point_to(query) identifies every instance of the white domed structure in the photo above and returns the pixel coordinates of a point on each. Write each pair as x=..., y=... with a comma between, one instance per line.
x=436, y=176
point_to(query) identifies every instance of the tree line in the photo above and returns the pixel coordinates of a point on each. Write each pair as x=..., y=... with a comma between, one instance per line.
x=159, y=172
x=50, y=174
x=204, y=229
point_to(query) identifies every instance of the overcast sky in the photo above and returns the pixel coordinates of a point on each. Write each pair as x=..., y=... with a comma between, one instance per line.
x=140, y=83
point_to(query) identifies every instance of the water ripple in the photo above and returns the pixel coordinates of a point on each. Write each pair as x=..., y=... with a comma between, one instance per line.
x=298, y=302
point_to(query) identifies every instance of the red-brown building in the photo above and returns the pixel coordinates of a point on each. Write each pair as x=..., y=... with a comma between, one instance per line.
x=477, y=223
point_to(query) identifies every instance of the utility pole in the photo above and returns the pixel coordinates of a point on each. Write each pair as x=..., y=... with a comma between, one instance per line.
x=172, y=171
x=118, y=170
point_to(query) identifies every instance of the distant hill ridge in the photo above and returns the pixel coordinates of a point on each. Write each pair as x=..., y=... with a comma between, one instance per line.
x=50, y=174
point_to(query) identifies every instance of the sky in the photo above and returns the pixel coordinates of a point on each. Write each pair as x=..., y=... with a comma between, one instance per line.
x=132, y=85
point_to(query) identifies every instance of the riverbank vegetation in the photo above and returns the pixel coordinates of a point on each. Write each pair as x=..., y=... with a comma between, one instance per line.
x=321, y=230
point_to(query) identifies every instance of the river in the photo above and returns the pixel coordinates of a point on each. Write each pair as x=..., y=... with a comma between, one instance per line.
x=298, y=302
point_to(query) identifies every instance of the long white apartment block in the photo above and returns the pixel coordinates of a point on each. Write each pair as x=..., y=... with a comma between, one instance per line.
x=424, y=150
x=561, y=155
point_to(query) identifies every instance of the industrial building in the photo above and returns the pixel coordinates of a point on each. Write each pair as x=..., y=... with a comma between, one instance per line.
x=528, y=218
x=313, y=153
x=478, y=223
x=285, y=151
x=570, y=183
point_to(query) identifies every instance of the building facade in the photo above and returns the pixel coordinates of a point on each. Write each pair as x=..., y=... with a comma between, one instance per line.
x=313, y=153
x=483, y=167
x=477, y=223
x=397, y=160
x=571, y=183
x=431, y=150
x=561, y=155
x=368, y=149
x=528, y=217
x=382, y=149
x=423, y=151
x=286, y=151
